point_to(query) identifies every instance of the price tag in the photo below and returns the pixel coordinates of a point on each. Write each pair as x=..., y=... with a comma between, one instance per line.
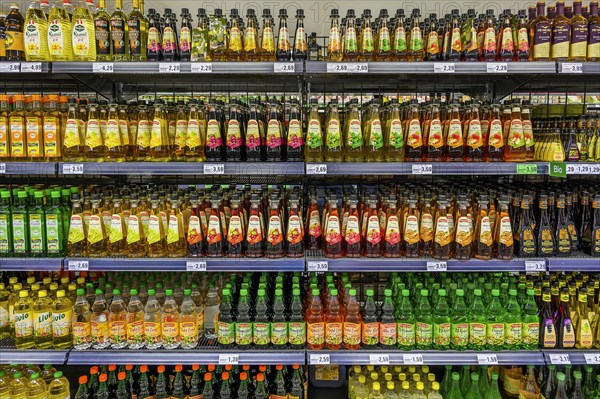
x=379, y=359
x=535, y=266
x=10, y=67
x=317, y=266
x=2, y=168
x=583, y=169
x=103, y=67
x=214, y=169
x=422, y=169
x=169, y=67
x=558, y=169
x=413, y=358
x=316, y=169
x=78, y=265
x=559, y=358
x=319, y=359
x=351, y=67
x=487, y=358
x=497, y=67
x=195, y=266
x=572, y=67
x=592, y=358
x=201, y=67
x=437, y=266
x=31, y=67
x=229, y=358
x=73, y=169
x=444, y=67
x=527, y=169
x=284, y=67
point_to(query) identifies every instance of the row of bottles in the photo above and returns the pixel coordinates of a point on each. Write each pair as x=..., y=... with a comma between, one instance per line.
x=579, y=138
x=30, y=382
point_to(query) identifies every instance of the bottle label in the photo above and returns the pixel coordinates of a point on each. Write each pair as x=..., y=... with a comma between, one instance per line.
x=135, y=332
x=441, y=334
x=314, y=137
x=252, y=134
x=76, y=231
x=593, y=51
x=19, y=233
x=255, y=234
x=436, y=137
x=523, y=41
x=392, y=230
x=233, y=137
x=579, y=39
x=505, y=234
x=373, y=230
x=81, y=333
x=477, y=334
x=116, y=229
x=464, y=233
x=188, y=332
x=4, y=138
x=33, y=38
x=350, y=41
x=370, y=333
x=185, y=40
x=243, y=333
x=456, y=40
x=334, y=333
x=154, y=230
x=415, y=136
x=455, y=136
x=213, y=134
x=368, y=44
x=117, y=34
x=406, y=334
x=72, y=138
x=93, y=135
x=400, y=39
x=99, y=332
x=268, y=40
x=433, y=45
x=193, y=139
x=102, y=30
x=118, y=331
x=352, y=333
x=423, y=333
x=333, y=235
x=528, y=133
x=442, y=231
x=549, y=334
x=170, y=333
x=561, y=38
x=396, y=136
x=475, y=138
x=214, y=230
x=295, y=139
x=333, y=138
x=36, y=233
x=568, y=336
x=81, y=38
x=17, y=137
x=13, y=41
x=485, y=232
x=297, y=333
x=314, y=224
x=585, y=333
x=4, y=236
x=180, y=134
x=134, y=233
x=261, y=333
x=34, y=138
x=496, y=138
x=411, y=230
x=384, y=43
x=250, y=40
x=274, y=134
x=173, y=233
x=495, y=334
x=531, y=333
x=168, y=40
x=23, y=324
x=541, y=40
x=275, y=234
x=416, y=39
x=316, y=333
x=235, y=40
x=235, y=234
x=388, y=334
x=279, y=333
x=42, y=324
x=426, y=231
x=516, y=138
x=376, y=135
x=153, y=40
x=50, y=136
x=508, y=44
x=112, y=135
x=134, y=37
x=355, y=137
x=513, y=333
x=294, y=230
x=152, y=331
x=56, y=37
x=460, y=334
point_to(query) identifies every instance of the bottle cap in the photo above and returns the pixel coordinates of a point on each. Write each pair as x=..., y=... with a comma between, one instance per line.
x=122, y=375
x=161, y=369
x=455, y=376
x=83, y=380
x=102, y=378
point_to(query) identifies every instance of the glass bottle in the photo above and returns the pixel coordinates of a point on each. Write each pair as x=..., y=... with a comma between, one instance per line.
x=400, y=46
x=561, y=392
x=366, y=42
x=199, y=49
x=332, y=246
x=170, y=49
x=383, y=44
x=255, y=238
x=235, y=230
x=267, y=43
x=506, y=38
x=477, y=324
x=119, y=33
x=176, y=242
x=215, y=235
x=314, y=134
x=214, y=136
x=593, y=48
x=442, y=231
x=14, y=42
x=185, y=35
x=196, y=132
x=315, y=322
x=352, y=322
x=295, y=139
x=334, y=144
x=454, y=392
x=251, y=50
x=295, y=231
x=394, y=134
x=275, y=238
x=561, y=34
x=442, y=327
x=170, y=327
x=416, y=47
x=235, y=48
x=579, y=34
x=521, y=34
x=414, y=134
x=540, y=30
x=424, y=323
x=275, y=133
x=284, y=50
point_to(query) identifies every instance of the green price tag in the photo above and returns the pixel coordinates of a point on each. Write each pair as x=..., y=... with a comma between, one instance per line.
x=558, y=169
x=527, y=169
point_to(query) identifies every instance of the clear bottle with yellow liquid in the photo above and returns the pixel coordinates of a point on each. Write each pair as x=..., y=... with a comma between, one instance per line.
x=125, y=131
x=196, y=131
x=83, y=34
x=4, y=322
x=4, y=128
x=34, y=130
x=18, y=386
x=314, y=134
x=59, y=387
x=138, y=33
x=134, y=318
x=113, y=139
x=334, y=144
x=375, y=143
x=13, y=298
x=156, y=230
x=94, y=147
x=117, y=240
x=96, y=236
x=59, y=34
x=119, y=33
x=159, y=134
x=52, y=128
x=353, y=136
x=176, y=242
x=16, y=124
x=23, y=319
x=62, y=315
x=76, y=242
x=42, y=321
x=136, y=237
x=35, y=33
x=267, y=46
x=142, y=138
x=73, y=139
x=36, y=387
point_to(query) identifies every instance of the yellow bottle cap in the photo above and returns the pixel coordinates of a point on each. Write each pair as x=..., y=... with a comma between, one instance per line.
x=23, y=294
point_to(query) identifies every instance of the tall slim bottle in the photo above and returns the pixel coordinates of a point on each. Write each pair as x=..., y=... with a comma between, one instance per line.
x=83, y=40
x=119, y=33
x=102, y=24
x=137, y=25
x=35, y=33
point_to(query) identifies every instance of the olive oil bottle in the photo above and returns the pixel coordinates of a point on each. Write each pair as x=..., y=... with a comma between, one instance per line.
x=138, y=33
x=102, y=33
x=119, y=33
x=159, y=136
x=96, y=235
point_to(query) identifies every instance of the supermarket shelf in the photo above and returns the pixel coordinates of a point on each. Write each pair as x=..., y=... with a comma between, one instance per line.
x=15, y=67
x=317, y=67
x=28, y=168
x=433, y=358
x=186, y=264
x=184, y=67
x=216, y=356
x=586, y=67
x=577, y=357
x=425, y=168
x=57, y=357
x=181, y=168
x=579, y=262
x=31, y=264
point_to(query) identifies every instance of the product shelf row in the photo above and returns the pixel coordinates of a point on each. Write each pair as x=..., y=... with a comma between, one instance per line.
x=311, y=263
x=324, y=357
x=299, y=168
x=311, y=67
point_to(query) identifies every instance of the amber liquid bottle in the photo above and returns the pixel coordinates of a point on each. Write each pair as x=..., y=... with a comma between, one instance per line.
x=392, y=238
x=524, y=235
x=214, y=236
x=561, y=34
x=267, y=46
x=410, y=235
x=540, y=30
x=284, y=50
x=214, y=138
x=255, y=232
x=383, y=48
x=544, y=236
x=426, y=227
x=334, y=46
x=373, y=241
x=522, y=46
x=454, y=138
x=295, y=230
x=14, y=42
x=564, y=323
x=352, y=232
x=579, y=34
x=561, y=233
x=442, y=231
x=435, y=135
x=495, y=139
x=400, y=43
x=483, y=238
x=463, y=239
x=593, y=51
x=416, y=46
x=414, y=134
x=595, y=248
x=503, y=236
x=332, y=247
x=515, y=150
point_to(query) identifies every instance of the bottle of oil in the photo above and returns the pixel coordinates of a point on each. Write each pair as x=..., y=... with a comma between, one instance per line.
x=4, y=127
x=59, y=34
x=34, y=130
x=16, y=124
x=52, y=129
x=102, y=33
x=42, y=321
x=83, y=34
x=353, y=134
x=138, y=33
x=73, y=142
x=267, y=47
x=14, y=43
x=156, y=230
x=251, y=52
x=314, y=134
x=96, y=235
x=196, y=131
x=23, y=321
x=284, y=49
x=119, y=33
x=334, y=144
x=235, y=50
x=35, y=33
x=159, y=137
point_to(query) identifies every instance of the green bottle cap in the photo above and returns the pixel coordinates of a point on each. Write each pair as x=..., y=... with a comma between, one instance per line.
x=151, y=292
x=98, y=291
x=474, y=376
x=370, y=293
x=187, y=291
x=278, y=292
x=133, y=291
x=512, y=292
x=530, y=292
x=168, y=292
x=22, y=194
x=227, y=292
x=261, y=292
x=5, y=194
x=38, y=194
x=352, y=292
x=405, y=292
x=17, y=375
x=455, y=376
x=442, y=292
x=560, y=376
x=460, y=293
x=387, y=292
x=477, y=292
x=116, y=292
x=424, y=292
x=35, y=375
x=334, y=292
x=243, y=292
x=58, y=374
x=495, y=292
x=315, y=292
x=81, y=291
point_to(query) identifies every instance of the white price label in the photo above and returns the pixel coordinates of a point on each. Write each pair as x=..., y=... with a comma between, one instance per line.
x=229, y=358
x=422, y=169
x=31, y=67
x=201, y=67
x=2, y=168
x=444, y=67
x=592, y=358
x=413, y=358
x=73, y=169
x=195, y=266
x=535, y=266
x=103, y=67
x=351, y=67
x=316, y=169
x=583, y=169
x=487, y=358
x=572, y=67
x=214, y=169
x=10, y=66
x=317, y=266
x=559, y=358
x=169, y=67
x=437, y=266
x=319, y=359
x=78, y=265
x=284, y=67
x=379, y=359
x=497, y=67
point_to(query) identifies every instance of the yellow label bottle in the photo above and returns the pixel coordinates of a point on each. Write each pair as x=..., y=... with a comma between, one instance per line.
x=35, y=34
x=16, y=123
x=83, y=34
x=62, y=315
x=23, y=321
x=59, y=35
x=52, y=129
x=42, y=321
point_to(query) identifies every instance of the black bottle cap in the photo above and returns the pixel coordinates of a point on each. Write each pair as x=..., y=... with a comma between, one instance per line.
x=201, y=12
x=416, y=12
x=300, y=13
x=399, y=12
x=159, y=101
x=283, y=13
x=383, y=13
x=250, y=13
x=455, y=13
x=367, y=13
x=432, y=16
x=234, y=13
x=185, y=11
x=218, y=12
x=350, y=13
x=266, y=12
x=168, y=11
x=151, y=11
x=335, y=13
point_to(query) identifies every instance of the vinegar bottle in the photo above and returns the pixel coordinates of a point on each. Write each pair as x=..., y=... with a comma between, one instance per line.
x=374, y=134
x=267, y=46
x=354, y=135
x=275, y=133
x=255, y=133
x=463, y=239
x=315, y=335
x=333, y=322
x=94, y=148
x=475, y=139
x=394, y=134
x=442, y=231
x=416, y=47
x=113, y=140
x=314, y=232
x=352, y=234
x=236, y=45
x=295, y=139
x=495, y=140
x=314, y=134
x=414, y=134
x=96, y=235
x=274, y=243
x=214, y=235
x=435, y=135
x=426, y=228
x=300, y=43
x=255, y=233
x=503, y=237
x=234, y=133
x=334, y=47
x=366, y=44
x=295, y=230
x=185, y=35
x=251, y=51
x=235, y=230
x=176, y=243
x=410, y=234
x=334, y=144
x=333, y=239
x=196, y=132
x=373, y=242
x=454, y=139
x=214, y=137
x=117, y=236
x=352, y=322
x=155, y=230
x=515, y=150
x=483, y=239
x=400, y=47
x=528, y=131
x=284, y=51
x=506, y=44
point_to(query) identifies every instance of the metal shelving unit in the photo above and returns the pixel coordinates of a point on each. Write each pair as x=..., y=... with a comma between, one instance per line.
x=27, y=168
x=578, y=263
x=433, y=67
x=175, y=67
x=31, y=264
x=8, y=356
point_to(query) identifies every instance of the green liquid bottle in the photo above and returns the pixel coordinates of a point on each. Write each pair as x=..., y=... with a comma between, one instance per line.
x=55, y=230
x=495, y=318
x=406, y=322
x=6, y=234
x=513, y=326
x=460, y=325
x=477, y=323
x=20, y=224
x=441, y=323
x=424, y=324
x=37, y=226
x=454, y=392
x=473, y=391
x=531, y=322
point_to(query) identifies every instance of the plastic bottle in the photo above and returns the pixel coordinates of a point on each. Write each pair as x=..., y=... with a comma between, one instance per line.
x=81, y=328
x=170, y=322
x=352, y=322
x=117, y=321
x=42, y=321
x=59, y=34
x=211, y=313
x=82, y=391
x=333, y=322
x=188, y=322
x=36, y=388
x=315, y=325
x=134, y=319
x=99, y=322
x=59, y=387
x=18, y=386
x=24, y=321
x=454, y=392
x=261, y=325
x=494, y=391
